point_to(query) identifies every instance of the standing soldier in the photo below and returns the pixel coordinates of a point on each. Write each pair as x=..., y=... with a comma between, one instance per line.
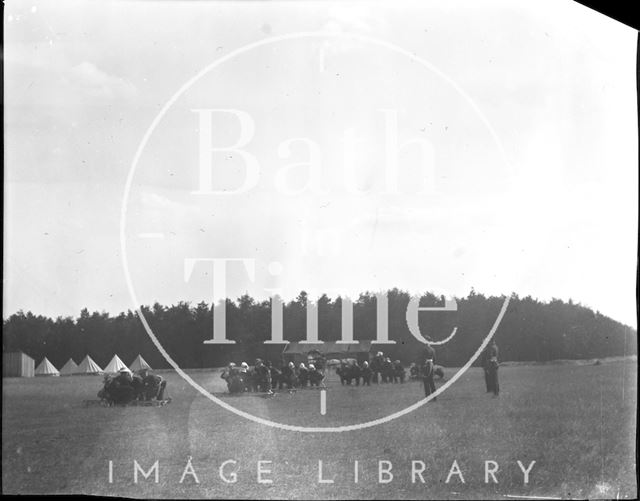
x=245, y=376
x=276, y=376
x=366, y=374
x=303, y=376
x=315, y=376
x=263, y=377
x=490, y=365
x=398, y=372
x=376, y=366
x=387, y=370
x=342, y=371
x=288, y=376
x=428, y=363
x=355, y=372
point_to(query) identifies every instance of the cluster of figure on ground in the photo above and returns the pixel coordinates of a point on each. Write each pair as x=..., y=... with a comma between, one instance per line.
x=124, y=387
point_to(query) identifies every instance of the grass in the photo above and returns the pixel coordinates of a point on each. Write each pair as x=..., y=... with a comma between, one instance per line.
x=576, y=421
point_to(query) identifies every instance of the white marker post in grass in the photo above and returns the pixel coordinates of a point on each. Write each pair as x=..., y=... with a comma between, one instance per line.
x=323, y=402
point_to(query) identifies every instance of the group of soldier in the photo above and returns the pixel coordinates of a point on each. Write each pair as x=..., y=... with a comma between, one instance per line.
x=381, y=369
x=427, y=369
x=124, y=387
x=265, y=377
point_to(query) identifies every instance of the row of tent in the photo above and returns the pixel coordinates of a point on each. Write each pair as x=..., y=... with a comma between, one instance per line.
x=88, y=366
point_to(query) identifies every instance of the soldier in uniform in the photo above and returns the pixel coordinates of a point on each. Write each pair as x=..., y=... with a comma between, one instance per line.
x=276, y=376
x=355, y=372
x=398, y=372
x=227, y=373
x=231, y=375
x=376, y=366
x=365, y=371
x=245, y=376
x=427, y=368
x=343, y=372
x=387, y=370
x=118, y=389
x=153, y=385
x=288, y=376
x=303, y=375
x=490, y=365
x=315, y=376
x=262, y=377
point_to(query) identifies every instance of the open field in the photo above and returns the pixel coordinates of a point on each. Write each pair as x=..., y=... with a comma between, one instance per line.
x=576, y=421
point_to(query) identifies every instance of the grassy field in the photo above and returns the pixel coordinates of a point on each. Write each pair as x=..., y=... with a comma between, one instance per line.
x=576, y=421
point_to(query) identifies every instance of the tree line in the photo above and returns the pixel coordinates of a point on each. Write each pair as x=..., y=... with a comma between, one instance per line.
x=531, y=330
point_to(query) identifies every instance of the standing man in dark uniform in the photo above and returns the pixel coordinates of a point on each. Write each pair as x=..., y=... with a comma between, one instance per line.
x=356, y=372
x=398, y=372
x=287, y=376
x=376, y=366
x=276, y=376
x=427, y=367
x=365, y=371
x=490, y=365
x=263, y=377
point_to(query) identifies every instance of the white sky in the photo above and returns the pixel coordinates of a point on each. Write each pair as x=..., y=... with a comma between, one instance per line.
x=556, y=81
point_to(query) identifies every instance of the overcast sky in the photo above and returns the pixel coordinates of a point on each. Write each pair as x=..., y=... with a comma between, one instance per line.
x=520, y=174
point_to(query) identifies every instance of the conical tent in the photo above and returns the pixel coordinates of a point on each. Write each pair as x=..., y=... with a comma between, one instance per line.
x=69, y=368
x=139, y=363
x=88, y=366
x=46, y=368
x=116, y=365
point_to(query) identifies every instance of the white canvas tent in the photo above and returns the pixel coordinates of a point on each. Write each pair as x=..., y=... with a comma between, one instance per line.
x=69, y=368
x=116, y=365
x=46, y=368
x=88, y=366
x=139, y=363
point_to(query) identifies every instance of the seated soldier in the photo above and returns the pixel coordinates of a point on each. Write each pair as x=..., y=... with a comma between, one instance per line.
x=228, y=374
x=398, y=372
x=315, y=376
x=138, y=386
x=119, y=389
x=366, y=373
x=103, y=394
x=153, y=385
